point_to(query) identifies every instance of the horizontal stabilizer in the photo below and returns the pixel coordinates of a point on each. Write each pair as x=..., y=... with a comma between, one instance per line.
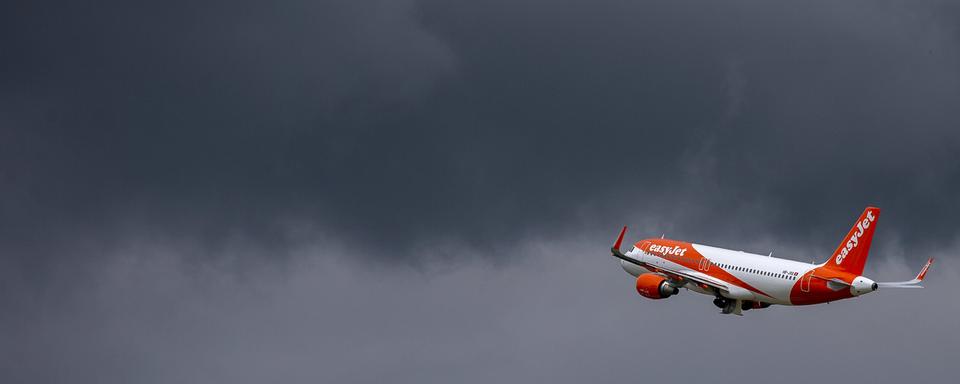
x=915, y=283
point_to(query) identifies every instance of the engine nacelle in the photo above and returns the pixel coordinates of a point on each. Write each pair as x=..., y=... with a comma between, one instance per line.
x=654, y=286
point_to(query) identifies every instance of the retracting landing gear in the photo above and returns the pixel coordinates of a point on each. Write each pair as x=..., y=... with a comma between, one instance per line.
x=719, y=302
x=728, y=306
x=733, y=307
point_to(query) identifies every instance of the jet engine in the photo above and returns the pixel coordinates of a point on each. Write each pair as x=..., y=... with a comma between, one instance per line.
x=654, y=286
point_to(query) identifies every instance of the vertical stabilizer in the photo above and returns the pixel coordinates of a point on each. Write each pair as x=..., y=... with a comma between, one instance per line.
x=851, y=255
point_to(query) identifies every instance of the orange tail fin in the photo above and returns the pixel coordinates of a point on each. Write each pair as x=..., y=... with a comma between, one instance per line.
x=851, y=255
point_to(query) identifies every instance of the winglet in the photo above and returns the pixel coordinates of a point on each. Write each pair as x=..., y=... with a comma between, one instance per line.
x=620, y=238
x=923, y=272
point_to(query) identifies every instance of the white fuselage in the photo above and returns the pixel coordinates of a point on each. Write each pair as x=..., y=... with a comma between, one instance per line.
x=775, y=277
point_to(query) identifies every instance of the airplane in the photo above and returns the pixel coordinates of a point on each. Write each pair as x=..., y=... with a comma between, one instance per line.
x=741, y=281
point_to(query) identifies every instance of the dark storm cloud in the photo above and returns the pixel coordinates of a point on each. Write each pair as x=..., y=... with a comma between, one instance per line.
x=475, y=123
x=188, y=118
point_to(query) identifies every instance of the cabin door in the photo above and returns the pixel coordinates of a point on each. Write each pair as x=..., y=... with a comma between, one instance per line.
x=805, y=282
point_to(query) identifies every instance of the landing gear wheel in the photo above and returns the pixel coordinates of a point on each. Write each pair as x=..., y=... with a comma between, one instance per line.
x=720, y=303
x=730, y=307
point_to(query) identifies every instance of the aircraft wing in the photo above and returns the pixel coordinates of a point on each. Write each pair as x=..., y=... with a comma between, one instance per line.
x=694, y=276
x=702, y=278
x=688, y=275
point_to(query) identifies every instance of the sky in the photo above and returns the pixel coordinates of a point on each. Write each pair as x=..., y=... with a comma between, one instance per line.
x=356, y=191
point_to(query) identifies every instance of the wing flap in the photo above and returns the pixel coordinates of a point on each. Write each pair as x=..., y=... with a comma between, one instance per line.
x=699, y=277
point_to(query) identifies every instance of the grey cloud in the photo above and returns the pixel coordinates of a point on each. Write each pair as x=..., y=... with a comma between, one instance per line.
x=568, y=314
